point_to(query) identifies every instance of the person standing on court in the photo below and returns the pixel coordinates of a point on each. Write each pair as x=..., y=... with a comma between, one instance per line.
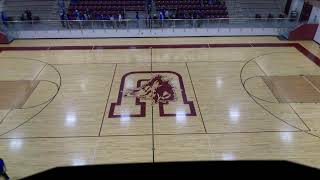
x=3, y=170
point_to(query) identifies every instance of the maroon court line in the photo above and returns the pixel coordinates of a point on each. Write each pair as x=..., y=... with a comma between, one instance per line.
x=157, y=46
x=298, y=46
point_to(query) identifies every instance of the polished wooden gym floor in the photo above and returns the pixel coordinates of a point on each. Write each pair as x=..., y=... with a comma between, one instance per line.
x=63, y=102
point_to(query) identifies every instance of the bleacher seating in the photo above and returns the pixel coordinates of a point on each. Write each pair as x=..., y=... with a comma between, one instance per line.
x=109, y=7
x=39, y=8
x=262, y=7
x=201, y=7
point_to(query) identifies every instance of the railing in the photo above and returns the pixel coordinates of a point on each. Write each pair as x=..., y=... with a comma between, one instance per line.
x=13, y=28
x=150, y=24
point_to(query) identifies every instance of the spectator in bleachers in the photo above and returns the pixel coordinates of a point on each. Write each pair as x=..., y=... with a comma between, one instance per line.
x=69, y=23
x=119, y=20
x=62, y=19
x=107, y=20
x=137, y=19
x=198, y=21
x=112, y=21
x=154, y=16
x=161, y=15
x=105, y=16
x=281, y=16
x=166, y=14
x=270, y=16
x=23, y=17
x=61, y=5
x=77, y=14
x=258, y=16
x=85, y=16
x=88, y=13
x=4, y=19
x=28, y=15
x=161, y=18
x=149, y=8
x=192, y=21
x=149, y=21
x=172, y=15
x=98, y=17
x=163, y=10
x=185, y=15
x=123, y=15
x=78, y=18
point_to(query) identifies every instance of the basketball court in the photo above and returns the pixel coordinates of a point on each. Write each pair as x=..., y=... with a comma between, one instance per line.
x=105, y=101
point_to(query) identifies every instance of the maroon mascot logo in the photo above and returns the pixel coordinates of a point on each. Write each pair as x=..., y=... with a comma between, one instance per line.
x=158, y=89
x=164, y=88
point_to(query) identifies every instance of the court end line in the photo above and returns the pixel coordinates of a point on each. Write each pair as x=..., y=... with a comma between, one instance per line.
x=105, y=109
x=195, y=95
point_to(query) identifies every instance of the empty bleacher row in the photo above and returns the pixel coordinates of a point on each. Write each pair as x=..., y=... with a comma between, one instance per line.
x=262, y=7
x=39, y=8
x=196, y=8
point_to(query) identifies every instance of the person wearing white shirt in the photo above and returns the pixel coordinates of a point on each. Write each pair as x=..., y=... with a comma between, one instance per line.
x=120, y=20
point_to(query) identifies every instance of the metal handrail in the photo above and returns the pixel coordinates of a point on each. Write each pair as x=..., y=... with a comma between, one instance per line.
x=134, y=20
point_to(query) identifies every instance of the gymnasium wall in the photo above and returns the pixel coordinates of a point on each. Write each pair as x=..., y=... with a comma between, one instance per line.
x=317, y=36
x=1, y=4
x=315, y=18
x=296, y=5
x=3, y=38
x=303, y=32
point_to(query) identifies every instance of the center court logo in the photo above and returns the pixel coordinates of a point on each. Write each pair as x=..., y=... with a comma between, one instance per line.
x=159, y=89
x=165, y=88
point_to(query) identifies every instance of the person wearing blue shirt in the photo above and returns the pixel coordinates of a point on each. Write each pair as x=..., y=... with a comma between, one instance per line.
x=3, y=170
x=4, y=18
x=98, y=17
x=161, y=17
